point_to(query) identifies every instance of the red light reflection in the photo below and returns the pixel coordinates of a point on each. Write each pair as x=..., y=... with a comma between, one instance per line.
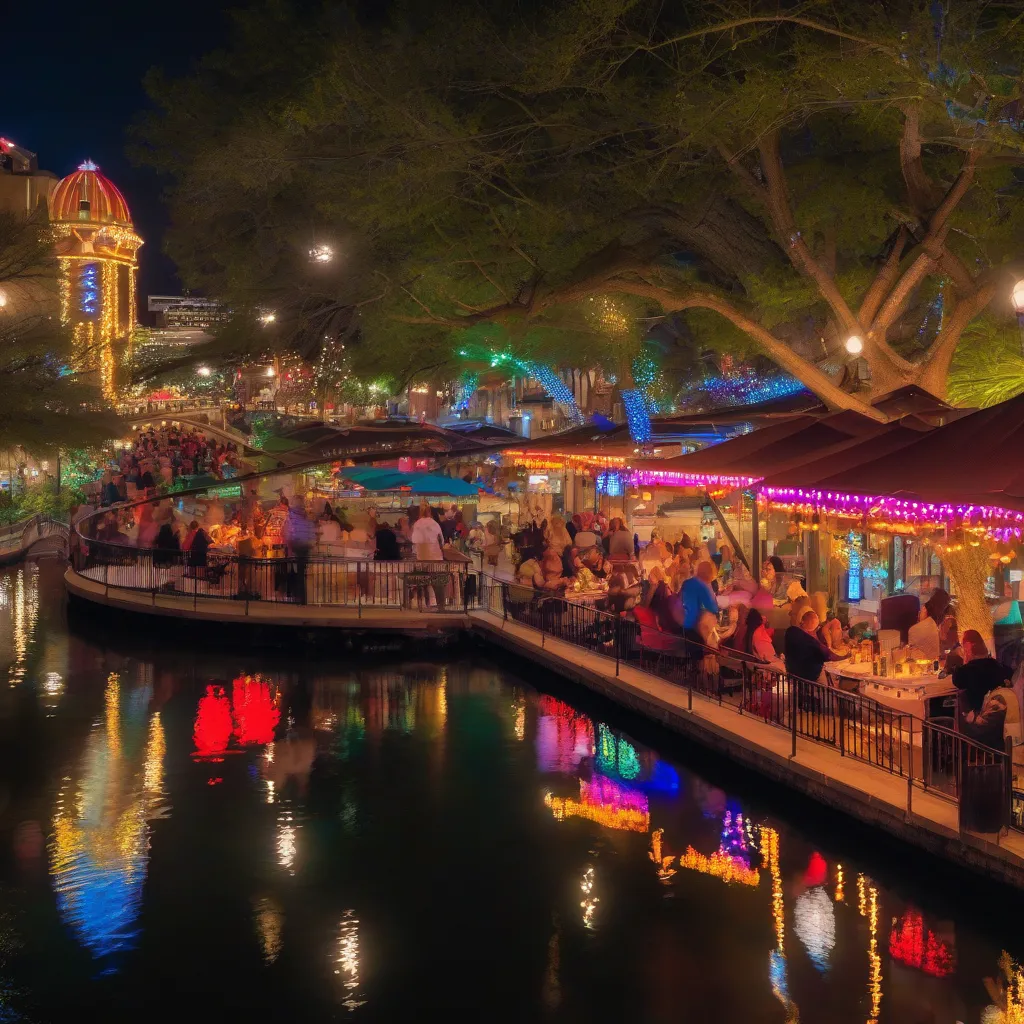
x=916, y=946
x=256, y=710
x=213, y=725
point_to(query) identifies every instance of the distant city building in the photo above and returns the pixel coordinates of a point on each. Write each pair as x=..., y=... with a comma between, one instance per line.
x=24, y=189
x=187, y=312
x=97, y=249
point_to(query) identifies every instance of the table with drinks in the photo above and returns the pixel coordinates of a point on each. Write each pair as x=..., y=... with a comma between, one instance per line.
x=896, y=679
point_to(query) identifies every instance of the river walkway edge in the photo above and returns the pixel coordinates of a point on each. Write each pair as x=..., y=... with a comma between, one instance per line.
x=862, y=791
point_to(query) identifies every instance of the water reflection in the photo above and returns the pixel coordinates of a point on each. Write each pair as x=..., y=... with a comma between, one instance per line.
x=346, y=961
x=99, y=847
x=334, y=786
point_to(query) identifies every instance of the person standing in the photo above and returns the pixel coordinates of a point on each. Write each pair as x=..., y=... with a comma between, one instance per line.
x=426, y=536
x=299, y=535
x=696, y=597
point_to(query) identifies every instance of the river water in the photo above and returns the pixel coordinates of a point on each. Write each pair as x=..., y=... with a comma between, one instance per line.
x=199, y=827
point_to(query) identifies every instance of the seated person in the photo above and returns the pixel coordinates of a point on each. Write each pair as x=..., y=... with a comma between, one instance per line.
x=594, y=560
x=621, y=596
x=805, y=653
x=759, y=642
x=924, y=635
x=979, y=674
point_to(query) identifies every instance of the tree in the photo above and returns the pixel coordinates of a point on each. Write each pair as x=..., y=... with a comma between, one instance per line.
x=773, y=177
x=45, y=404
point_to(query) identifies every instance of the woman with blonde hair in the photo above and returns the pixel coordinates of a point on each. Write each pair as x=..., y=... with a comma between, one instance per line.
x=557, y=535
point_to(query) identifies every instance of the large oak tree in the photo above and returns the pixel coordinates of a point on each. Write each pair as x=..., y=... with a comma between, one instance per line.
x=775, y=177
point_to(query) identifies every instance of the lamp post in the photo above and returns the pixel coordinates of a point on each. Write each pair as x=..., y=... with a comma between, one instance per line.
x=1018, y=305
x=854, y=345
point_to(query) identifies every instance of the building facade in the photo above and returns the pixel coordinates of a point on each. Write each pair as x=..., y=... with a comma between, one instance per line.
x=97, y=249
x=186, y=312
x=24, y=189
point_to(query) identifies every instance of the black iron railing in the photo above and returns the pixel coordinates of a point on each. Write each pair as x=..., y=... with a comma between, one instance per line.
x=930, y=755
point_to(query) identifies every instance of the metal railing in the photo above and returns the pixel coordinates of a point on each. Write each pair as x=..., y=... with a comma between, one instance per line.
x=298, y=579
x=930, y=755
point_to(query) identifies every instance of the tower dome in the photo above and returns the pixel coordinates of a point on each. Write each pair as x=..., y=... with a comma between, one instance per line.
x=90, y=197
x=97, y=249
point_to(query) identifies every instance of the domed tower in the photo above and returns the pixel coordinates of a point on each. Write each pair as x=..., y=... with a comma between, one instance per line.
x=97, y=248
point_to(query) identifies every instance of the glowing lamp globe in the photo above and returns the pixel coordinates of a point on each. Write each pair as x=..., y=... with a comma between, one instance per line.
x=321, y=254
x=1018, y=296
x=204, y=371
x=3, y=299
x=854, y=345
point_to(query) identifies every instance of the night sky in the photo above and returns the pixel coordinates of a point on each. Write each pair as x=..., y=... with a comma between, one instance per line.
x=73, y=84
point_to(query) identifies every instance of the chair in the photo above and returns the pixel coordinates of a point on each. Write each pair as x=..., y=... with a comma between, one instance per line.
x=899, y=612
x=653, y=638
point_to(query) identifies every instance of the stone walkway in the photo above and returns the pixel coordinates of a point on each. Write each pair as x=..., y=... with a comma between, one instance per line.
x=862, y=790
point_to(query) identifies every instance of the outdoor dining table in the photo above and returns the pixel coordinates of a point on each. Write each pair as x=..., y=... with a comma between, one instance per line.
x=904, y=693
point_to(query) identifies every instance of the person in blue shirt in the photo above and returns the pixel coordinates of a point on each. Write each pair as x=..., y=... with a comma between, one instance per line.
x=697, y=597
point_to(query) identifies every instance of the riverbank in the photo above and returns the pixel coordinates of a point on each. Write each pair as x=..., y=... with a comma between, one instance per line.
x=875, y=797
x=893, y=802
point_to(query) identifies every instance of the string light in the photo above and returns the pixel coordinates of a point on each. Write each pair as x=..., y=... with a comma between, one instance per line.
x=747, y=388
x=605, y=802
x=671, y=478
x=638, y=415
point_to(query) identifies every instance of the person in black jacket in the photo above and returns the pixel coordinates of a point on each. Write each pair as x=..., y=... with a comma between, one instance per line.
x=805, y=653
x=387, y=549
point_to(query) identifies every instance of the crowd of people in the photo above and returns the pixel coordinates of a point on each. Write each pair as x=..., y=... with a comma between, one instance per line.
x=158, y=458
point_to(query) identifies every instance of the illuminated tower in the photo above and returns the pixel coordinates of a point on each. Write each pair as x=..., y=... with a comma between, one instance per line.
x=97, y=248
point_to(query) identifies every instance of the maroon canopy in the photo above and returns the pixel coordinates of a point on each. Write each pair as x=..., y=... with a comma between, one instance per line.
x=977, y=459
x=776, y=447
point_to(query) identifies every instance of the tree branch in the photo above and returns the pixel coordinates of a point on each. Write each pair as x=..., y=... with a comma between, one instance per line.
x=932, y=247
x=781, y=212
x=776, y=19
x=779, y=352
x=937, y=362
x=921, y=190
x=884, y=279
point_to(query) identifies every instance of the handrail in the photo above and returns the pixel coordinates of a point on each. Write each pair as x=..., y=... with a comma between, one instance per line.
x=855, y=725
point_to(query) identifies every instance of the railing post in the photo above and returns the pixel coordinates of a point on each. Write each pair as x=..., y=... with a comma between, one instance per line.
x=359, y=594
x=618, y=644
x=910, y=773
x=794, y=696
x=842, y=727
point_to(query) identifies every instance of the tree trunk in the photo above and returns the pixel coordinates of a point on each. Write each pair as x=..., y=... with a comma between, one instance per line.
x=969, y=569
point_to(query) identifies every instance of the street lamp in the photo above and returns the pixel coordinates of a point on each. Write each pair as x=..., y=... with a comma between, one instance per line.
x=268, y=318
x=1018, y=304
x=3, y=298
x=321, y=254
x=854, y=345
x=204, y=371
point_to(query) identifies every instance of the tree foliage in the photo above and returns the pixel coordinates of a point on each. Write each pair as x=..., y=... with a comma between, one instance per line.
x=43, y=404
x=759, y=177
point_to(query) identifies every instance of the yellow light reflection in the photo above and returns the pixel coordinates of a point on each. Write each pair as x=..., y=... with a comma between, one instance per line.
x=24, y=606
x=840, y=891
x=269, y=919
x=719, y=865
x=631, y=815
x=589, y=902
x=663, y=863
x=346, y=961
x=286, y=840
x=874, y=960
x=777, y=958
x=100, y=834
x=112, y=699
x=520, y=721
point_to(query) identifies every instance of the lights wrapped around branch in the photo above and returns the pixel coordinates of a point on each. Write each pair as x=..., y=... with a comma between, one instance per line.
x=638, y=415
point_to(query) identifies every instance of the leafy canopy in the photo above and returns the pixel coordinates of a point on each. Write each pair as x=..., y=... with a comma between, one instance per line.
x=749, y=170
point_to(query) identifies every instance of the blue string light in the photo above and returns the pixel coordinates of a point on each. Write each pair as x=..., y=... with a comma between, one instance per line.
x=638, y=415
x=467, y=388
x=553, y=386
x=89, y=282
x=748, y=389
